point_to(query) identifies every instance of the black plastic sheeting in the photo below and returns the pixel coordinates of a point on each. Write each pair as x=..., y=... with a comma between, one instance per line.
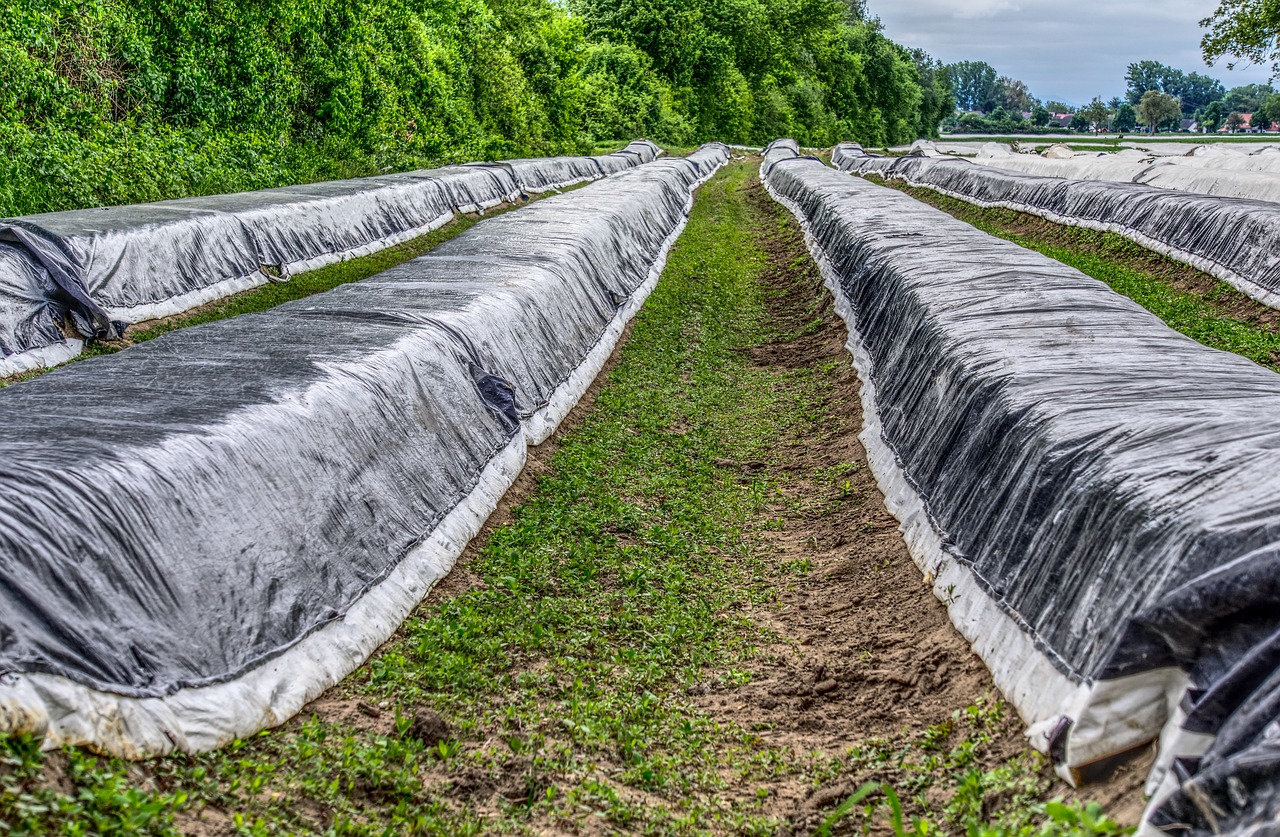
x=777, y=151
x=1235, y=239
x=118, y=265
x=1107, y=482
x=225, y=490
x=26, y=307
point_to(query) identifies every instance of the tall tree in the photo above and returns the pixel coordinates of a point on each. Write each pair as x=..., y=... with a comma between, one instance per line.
x=976, y=85
x=1211, y=117
x=1249, y=30
x=1267, y=113
x=1014, y=95
x=1235, y=121
x=1193, y=90
x=1097, y=114
x=1126, y=119
x=938, y=101
x=1157, y=108
x=1246, y=98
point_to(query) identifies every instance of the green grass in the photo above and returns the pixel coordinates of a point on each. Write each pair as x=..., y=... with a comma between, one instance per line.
x=1113, y=259
x=621, y=586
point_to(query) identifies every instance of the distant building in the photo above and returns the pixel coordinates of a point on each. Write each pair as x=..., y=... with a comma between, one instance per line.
x=1062, y=120
x=1245, y=127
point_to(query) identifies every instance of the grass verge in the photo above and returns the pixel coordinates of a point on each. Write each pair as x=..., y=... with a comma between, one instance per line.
x=575, y=680
x=1198, y=305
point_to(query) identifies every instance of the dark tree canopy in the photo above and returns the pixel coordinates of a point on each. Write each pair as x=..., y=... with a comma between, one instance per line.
x=1193, y=90
x=976, y=85
x=1247, y=98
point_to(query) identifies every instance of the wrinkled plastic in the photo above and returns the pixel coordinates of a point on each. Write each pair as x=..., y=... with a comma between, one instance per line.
x=1233, y=239
x=119, y=265
x=1213, y=174
x=26, y=313
x=778, y=150
x=223, y=492
x=1093, y=493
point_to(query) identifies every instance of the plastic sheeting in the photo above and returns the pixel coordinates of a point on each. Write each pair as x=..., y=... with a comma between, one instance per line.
x=1233, y=239
x=27, y=316
x=778, y=150
x=1092, y=493
x=235, y=515
x=119, y=265
x=1204, y=176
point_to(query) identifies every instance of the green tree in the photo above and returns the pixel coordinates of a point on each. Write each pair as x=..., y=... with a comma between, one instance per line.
x=976, y=85
x=1014, y=95
x=1156, y=108
x=1078, y=122
x=1039, y=116
x=1235, y=121
x=1126, y=119
x=1193, y=90
x=1246, y=98
x=1097, y=114
x=1248, y=30
x=1212, y=116
x=1268, y=112
x=938, y=101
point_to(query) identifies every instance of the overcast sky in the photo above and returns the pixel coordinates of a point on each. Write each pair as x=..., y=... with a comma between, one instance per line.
x=1068, y=50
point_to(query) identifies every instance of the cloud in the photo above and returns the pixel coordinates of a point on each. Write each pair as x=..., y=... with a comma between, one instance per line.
x=979, y=9
x=1070, y=50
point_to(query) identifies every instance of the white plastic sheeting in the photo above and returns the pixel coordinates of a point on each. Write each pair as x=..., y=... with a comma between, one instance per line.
x=235, y=516
x=1233, y=239
x=1207, y=177
x=119, y=265
x=1091, y=492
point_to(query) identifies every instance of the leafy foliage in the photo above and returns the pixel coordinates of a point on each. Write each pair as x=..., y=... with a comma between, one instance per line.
x=1192, y=90
x=116, y=101
x=1156, y=108
x=1249, y=30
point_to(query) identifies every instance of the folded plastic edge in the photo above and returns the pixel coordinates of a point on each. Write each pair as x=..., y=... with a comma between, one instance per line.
x=42, y=357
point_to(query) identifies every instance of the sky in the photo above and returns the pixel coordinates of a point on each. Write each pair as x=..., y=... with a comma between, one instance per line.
x=1065, y=50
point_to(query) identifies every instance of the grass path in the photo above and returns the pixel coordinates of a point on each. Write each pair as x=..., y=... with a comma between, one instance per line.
x=695, y=618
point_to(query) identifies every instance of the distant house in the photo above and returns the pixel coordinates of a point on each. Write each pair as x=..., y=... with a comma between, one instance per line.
x=1189, y=125
x=1062, y=120
x=1246, y=126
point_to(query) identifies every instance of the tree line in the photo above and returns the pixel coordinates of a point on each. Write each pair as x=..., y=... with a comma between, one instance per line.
x=1157, y=96
x=116, y=101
